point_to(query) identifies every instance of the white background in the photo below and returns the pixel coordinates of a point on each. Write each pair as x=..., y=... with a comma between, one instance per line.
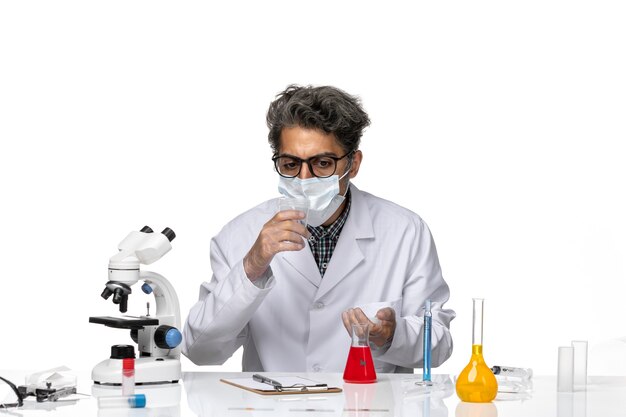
x=500, y=123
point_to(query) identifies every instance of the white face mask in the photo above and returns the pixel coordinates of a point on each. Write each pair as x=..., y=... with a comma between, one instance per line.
x=322, y=193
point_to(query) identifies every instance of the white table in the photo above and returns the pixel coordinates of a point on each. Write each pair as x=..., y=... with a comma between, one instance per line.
x=202, y=394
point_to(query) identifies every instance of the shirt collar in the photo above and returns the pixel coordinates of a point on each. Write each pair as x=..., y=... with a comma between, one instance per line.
x=332, y=231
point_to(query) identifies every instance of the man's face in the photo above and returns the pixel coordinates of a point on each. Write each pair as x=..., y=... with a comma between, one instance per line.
x=306, y=143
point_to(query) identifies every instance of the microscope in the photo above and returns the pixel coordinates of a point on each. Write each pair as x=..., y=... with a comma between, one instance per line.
x=158, y=336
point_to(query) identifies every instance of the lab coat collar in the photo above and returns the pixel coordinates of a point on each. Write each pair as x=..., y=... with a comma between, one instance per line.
x=304, y=262
x=347, y=254
x=360, y=219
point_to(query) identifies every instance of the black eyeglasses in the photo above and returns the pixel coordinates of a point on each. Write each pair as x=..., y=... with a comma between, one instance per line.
x=321, y=166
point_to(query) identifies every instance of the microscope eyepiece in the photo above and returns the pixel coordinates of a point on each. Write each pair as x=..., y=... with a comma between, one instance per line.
x=147, y=229
x=169, y=233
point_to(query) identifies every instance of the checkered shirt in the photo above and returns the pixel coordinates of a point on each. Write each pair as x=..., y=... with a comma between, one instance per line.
x=324, y=238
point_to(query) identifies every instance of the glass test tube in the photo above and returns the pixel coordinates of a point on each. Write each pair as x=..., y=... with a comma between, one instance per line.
x=127, y=401
x=128, y=376
x=565, y=372
x=580, y=363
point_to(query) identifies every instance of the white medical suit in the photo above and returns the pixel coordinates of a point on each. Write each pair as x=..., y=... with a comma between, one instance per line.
x=290, y=319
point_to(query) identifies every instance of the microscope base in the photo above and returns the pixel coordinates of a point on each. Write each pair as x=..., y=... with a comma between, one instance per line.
x=147, y=371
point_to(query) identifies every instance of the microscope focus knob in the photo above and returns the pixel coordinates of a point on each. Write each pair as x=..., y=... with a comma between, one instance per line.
x=167, y=337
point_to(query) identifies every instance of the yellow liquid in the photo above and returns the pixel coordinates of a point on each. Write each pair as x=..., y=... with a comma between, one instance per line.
x=476, y=383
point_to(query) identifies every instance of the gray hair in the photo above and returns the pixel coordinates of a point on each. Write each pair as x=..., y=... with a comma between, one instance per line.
x=327, y=109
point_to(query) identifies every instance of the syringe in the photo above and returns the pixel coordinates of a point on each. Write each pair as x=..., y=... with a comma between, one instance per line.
x=506, y=371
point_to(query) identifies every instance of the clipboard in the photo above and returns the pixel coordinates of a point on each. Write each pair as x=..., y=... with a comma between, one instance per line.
x=248, y=384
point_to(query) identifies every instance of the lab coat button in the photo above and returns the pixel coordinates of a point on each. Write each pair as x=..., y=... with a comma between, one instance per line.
x=318, y=305
x=316, y=368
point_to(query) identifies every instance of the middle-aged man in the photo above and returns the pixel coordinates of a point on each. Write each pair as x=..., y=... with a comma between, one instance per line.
x=289, y=293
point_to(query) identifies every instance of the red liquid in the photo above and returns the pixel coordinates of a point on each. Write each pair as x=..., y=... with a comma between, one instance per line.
x=360, y=366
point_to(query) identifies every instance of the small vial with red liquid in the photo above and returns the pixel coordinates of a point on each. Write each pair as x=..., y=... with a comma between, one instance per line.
x=128, y=376
x=360, y=365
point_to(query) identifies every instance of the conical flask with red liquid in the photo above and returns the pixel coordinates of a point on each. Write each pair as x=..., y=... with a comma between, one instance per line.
x=360, y=365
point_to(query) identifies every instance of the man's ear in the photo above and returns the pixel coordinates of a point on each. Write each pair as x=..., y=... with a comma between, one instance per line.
x=357, y=158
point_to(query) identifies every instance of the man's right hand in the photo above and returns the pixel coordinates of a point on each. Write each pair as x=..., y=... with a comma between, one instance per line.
x=282, y=233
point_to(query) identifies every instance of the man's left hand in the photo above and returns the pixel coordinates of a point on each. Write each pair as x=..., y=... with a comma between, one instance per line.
x=381, y=332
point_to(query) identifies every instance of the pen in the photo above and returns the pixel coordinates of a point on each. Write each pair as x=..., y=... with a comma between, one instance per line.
x=266, y=380
x=301, y=387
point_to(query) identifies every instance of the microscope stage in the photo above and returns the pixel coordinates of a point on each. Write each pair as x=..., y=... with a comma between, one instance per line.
x=124, y=322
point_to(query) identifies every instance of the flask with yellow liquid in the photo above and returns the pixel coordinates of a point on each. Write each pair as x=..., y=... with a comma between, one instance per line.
x=476, y=383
